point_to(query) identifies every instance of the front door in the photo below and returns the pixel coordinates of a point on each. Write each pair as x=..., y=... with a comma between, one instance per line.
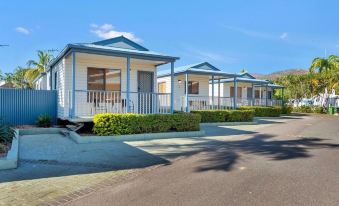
x=145, y=92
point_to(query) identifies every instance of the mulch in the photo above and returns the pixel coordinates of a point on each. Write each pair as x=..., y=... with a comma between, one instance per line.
x=7, y=148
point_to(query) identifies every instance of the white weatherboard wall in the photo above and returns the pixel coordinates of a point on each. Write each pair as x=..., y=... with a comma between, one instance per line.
x=226, y=87
x=179, y=88
x=83, y=61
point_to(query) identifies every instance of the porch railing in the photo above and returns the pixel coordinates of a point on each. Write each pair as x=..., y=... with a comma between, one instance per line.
x=90, y=102
x=206, y=103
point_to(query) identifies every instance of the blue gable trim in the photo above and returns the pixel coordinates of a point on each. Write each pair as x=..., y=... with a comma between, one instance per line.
x=147, y=55
x=114, y=42
x=211, y=67
x=247, y=75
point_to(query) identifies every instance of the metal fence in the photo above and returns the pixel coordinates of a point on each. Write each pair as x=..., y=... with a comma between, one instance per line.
x=23, y=106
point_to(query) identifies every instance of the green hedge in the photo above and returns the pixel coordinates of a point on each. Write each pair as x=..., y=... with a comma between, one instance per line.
x=225, y=115
x=121, y=124
x=260, y=111
x=309, y=109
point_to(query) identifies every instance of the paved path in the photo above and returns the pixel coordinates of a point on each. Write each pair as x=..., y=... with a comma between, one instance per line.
x=294, y=162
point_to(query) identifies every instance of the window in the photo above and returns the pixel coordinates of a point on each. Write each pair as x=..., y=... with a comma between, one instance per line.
x=239, y=92
x=103, y=79
x=257, y=94
x=193, y=87
x=55, y=80
x=162, y=87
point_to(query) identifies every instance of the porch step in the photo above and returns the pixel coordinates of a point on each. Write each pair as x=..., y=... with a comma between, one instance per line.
x=76, y=127
x=65, y=132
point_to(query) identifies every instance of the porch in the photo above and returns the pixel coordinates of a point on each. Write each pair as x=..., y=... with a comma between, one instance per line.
x=91, y=102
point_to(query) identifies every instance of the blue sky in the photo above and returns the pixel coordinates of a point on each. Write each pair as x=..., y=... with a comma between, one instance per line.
x=260, y=36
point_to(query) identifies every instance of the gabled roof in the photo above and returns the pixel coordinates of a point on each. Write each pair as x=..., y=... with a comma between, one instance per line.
x=121, y=42
x=118, y=46
x=246, y=75
x=197, y=68
x=249, y=80
x=201, y=65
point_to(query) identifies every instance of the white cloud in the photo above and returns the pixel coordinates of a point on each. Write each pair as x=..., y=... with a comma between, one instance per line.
x=22, y=30
x=284, y=35
x=203, y=55
x=107, y=31
x=257, y=34
x=250, y=33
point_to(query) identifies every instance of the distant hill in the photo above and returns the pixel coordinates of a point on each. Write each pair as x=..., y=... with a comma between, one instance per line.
x=277, y=74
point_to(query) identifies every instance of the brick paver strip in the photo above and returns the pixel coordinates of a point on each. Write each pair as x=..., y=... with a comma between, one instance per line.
x=43, y=191
x=79, y=164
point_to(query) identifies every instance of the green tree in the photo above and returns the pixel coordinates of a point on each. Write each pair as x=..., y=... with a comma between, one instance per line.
x=325, y=64
x=37, y=67
x=243, y=70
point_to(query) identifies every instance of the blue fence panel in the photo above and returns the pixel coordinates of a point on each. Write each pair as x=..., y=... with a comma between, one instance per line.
x=23, y=106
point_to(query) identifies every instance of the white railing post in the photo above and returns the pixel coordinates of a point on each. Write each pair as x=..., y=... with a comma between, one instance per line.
x=72, y=114
x=172, y=87
x=212, y=92
x=235, y=93
x=186, y=93
x=128, y=84
x=219, y=93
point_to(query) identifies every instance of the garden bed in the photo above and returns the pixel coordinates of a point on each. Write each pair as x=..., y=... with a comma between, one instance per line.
x=135, y=127
x=4, y=148
x=262, y=111
x=90, y=138
x=225, y=116
x=10, y=159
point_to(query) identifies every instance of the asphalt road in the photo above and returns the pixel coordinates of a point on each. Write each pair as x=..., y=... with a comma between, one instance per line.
x=290, y=163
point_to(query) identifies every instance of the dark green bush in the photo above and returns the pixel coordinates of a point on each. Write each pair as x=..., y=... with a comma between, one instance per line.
x=225, y=115
x=309, y=109
x=261, y=111
x=44, y=120
x=120, y=124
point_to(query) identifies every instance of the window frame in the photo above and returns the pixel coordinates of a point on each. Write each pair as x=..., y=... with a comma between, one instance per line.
x=104, y=78
x=161, y=83
x=55, y=86
x=190, y=83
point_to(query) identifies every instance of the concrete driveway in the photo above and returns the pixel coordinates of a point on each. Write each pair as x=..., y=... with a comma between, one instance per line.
x=53, y=169
x=290, y=162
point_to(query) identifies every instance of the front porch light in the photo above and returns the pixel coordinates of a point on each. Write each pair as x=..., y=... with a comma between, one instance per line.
x=179, y=81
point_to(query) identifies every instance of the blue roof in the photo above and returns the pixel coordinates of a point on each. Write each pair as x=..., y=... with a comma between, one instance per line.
x=254, y=81
x=197, y=68
x=240, y=79
x=118, y=46
x=244, y=74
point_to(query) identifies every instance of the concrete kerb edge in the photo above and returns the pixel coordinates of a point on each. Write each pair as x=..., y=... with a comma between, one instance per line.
x=11, y=159
x=133, y=137
x=227, y=123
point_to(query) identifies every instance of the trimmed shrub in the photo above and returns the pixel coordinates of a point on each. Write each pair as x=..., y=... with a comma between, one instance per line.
x=225, y=115
x=260, y=111
x=286, y=109
x=121, y=124
x=309, y=109
x=240, y=116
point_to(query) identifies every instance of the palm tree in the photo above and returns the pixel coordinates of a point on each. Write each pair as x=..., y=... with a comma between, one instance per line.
x=243, y=70
x=37, y=67
x=325, y=64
